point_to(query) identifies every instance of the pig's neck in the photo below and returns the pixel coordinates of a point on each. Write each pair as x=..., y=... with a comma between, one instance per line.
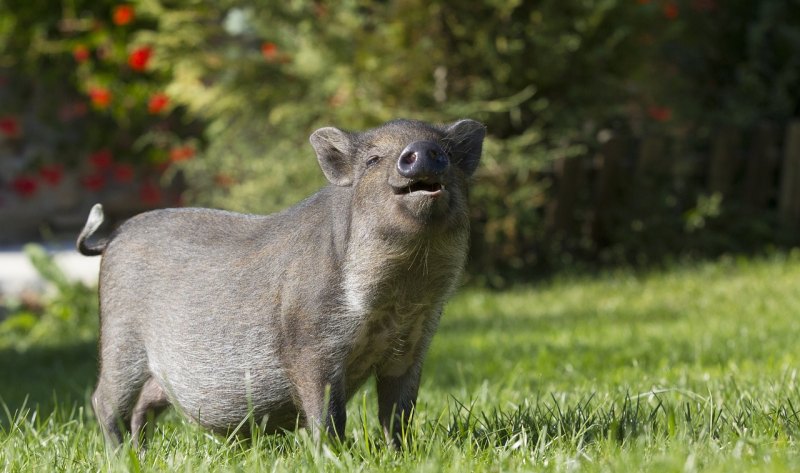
x=422, y=271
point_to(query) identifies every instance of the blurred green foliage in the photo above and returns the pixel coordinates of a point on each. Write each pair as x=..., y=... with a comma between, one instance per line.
x=269, y=74
x=249, y=81
x=65, y=314
x=82, y=91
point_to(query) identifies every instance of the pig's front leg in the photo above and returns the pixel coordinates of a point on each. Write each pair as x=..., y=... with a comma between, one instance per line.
x=398, y=378
x=322, y=397
x=397, y=396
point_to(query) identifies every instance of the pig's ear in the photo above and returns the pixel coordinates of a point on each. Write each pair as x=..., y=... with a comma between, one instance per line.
x=464, y=142
x=334, y=148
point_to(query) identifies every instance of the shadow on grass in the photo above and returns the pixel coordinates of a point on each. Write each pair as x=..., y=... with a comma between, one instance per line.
x=484, y=346
x=46, y=377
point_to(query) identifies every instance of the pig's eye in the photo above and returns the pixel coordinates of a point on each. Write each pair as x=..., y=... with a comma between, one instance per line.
x=373, y=160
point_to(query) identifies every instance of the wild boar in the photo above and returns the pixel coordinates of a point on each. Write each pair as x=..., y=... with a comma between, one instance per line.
x=284, y=316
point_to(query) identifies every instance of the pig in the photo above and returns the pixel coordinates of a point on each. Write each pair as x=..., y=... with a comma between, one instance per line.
x=284, y=316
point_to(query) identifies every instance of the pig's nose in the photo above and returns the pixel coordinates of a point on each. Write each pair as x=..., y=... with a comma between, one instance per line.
x=422, y=160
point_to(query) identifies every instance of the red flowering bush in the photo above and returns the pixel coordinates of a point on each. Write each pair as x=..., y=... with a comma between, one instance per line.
x=105, y=116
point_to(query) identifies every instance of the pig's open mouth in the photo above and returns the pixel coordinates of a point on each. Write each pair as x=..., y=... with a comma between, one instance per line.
x=420, y=187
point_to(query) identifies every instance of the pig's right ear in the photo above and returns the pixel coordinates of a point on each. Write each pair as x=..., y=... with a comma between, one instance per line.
x=334, y=148
x=464, y=141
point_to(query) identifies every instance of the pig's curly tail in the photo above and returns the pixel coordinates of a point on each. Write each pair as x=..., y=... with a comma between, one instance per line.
x=92, y=224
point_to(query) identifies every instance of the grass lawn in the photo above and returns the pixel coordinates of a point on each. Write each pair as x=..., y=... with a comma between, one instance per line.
x=692, y=369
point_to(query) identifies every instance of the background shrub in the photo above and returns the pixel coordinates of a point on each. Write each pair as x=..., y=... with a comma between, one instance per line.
x=243, y=84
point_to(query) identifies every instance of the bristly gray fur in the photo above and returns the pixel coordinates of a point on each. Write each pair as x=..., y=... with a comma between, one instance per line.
x=225, y=315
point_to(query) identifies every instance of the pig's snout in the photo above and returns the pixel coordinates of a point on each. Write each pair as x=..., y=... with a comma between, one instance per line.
x=422, y=161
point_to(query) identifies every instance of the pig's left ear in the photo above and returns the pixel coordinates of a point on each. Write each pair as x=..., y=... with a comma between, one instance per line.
x=334, y=148
x=464, y=142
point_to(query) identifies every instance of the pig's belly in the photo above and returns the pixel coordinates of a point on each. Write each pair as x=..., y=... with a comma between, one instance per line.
x=218, y=388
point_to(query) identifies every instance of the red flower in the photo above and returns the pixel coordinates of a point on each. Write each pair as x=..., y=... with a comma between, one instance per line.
x=123, y=173
x=81, y=53
x=9, y=126
x=269, y=51
x=140, y=57
x=181, y=153
x=659, y=114
x=51, y=173
x=671, y=10
x=101, y=159
x=100, y=96
x=150, y=193
x=123, y=14
x=93, y=182
x=24, y=186
x=157, y=103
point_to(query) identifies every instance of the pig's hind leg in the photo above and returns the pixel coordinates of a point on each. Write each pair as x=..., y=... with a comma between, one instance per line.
x=122, y=376
x=152, y=401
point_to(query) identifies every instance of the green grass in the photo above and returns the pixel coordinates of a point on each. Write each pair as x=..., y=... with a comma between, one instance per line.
x=691, y=369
